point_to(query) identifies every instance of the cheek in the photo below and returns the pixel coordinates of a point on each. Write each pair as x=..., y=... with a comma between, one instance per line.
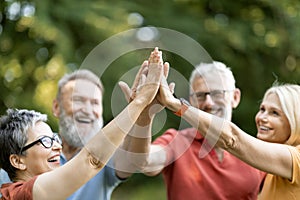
x=39, y=158
x=194, y=102
x=256, y=118
x=285, y=131
x=99, y=110
x=68, y=106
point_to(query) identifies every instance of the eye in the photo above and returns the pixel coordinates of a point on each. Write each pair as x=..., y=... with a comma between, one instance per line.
x=95, y=102
x=47, y=141
x=217, y=93
x=274, y=112
x=77, y=99
x=262, y=109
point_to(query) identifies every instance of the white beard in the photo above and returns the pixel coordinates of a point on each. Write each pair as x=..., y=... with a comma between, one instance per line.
x=75, y=135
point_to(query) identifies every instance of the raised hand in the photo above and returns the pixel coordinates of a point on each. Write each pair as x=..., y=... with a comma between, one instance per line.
x=131, y=93
x=149, y=79
x=154, y=107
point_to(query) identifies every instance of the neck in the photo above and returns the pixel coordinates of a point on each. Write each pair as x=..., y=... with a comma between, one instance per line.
x=69, y=151
x=23, y=176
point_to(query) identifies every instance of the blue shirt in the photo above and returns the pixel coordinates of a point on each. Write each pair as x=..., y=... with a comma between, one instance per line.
x=3, y=178
x=99, y=187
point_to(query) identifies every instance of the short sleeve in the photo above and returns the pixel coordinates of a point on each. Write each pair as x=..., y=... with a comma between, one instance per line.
x=295, y=152
x=18, y=190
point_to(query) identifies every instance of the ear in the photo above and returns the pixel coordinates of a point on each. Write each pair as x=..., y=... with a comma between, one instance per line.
x=236, y=98
x=17, y=161
x=55, y=108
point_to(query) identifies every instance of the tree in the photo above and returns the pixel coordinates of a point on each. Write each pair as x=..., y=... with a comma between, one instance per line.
x=42, y=40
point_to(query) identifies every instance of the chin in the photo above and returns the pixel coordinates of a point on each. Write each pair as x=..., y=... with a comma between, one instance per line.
x=260, y=136
x=54, y=166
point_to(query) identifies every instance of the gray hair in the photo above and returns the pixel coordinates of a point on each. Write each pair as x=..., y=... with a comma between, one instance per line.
x=82, y=74
x=13, y=134
x=219, y=68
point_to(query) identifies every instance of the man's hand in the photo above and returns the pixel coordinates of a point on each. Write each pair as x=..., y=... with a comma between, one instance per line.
x=154, y=107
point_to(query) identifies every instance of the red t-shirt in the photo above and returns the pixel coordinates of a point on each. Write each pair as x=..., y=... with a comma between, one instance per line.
x=191, y=176
x=17, y=191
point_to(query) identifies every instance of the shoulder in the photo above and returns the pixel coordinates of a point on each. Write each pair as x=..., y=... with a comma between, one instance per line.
x=174, y=133
x=17, y=190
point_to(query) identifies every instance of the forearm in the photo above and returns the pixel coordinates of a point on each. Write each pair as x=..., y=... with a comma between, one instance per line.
x=139, y=138
x=270, y=157
x=105, y=143
x=132, y=156
x=216, y=130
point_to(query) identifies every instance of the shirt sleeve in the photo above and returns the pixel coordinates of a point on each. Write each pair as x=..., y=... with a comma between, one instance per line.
x=168, y=141
x=295, y=152
x=18, y=190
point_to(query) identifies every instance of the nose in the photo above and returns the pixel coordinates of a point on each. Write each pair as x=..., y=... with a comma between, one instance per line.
x=56, y=145
x=87, y=108
x=207, y=103
x=263, y=117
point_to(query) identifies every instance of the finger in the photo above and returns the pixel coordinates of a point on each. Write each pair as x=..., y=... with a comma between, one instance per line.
x=155, y=56
x=145, y=71
x=164, y=84
x=164, y=81
x=145, y=64
x=155, y=73
x=125, y=89
x=142, y=80
x=138, y=76
x=172, y=87
x=166, y=69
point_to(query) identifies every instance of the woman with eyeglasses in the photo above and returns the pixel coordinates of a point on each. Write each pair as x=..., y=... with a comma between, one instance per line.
x=30, y=151
x=276, y=150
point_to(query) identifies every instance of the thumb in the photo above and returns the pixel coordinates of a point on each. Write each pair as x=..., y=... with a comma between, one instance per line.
x=172, y=87
x=125, y=89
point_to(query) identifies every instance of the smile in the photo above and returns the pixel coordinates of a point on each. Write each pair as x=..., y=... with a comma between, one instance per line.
x=84, y=120
x=54, y=159
x=264, y=128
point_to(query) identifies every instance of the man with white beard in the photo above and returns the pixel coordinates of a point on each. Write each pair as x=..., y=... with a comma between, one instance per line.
x=78, y=106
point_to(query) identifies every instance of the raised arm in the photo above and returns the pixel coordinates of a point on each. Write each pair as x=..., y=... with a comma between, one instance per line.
x=270, y=157
x=135, y=150
x=60, y=183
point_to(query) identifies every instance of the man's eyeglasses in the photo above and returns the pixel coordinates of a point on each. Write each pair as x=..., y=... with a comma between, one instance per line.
x=46, y=141
x=214, y=95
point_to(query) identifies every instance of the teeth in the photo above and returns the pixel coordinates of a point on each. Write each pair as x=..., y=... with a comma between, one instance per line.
x=264, y=128
x=53, y=159
x=84, y=120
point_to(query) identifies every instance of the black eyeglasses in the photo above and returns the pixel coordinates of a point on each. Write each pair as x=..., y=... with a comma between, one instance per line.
x=214, y=94
x=46, y=141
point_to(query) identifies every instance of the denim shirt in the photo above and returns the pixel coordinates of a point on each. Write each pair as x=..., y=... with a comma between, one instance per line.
x=99, y=187
x=3, y=178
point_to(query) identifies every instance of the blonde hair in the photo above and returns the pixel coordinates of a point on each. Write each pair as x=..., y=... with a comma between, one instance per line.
x=289, y=96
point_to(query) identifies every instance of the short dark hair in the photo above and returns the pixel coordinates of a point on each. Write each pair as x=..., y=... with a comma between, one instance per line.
x=13, y=135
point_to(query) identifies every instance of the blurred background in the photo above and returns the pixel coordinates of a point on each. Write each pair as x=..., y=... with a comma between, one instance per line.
x=41, y=40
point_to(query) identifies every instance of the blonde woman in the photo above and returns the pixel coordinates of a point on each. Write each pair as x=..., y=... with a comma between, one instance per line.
x=276, y=149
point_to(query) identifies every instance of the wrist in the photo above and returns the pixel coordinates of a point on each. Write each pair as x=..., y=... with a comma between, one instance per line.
x=138, y=105
x=184, y=105
x=144, y=119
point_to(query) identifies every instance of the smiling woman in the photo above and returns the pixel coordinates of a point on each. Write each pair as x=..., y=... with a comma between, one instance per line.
x=33, y=151
x=277, y=149
x=272, y=124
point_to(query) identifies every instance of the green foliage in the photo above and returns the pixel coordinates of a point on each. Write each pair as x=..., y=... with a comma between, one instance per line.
x=42, y=40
